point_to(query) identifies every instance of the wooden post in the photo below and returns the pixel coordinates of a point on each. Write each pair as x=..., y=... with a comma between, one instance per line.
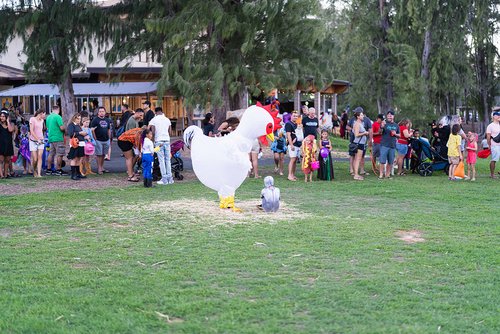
x=296, y=100
x=317, y=103
x=334, y=104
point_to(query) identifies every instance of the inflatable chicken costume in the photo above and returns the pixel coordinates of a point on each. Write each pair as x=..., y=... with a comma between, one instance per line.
x=222, y=163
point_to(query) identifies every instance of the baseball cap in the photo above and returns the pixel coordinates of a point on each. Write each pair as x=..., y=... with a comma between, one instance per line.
x=390, y=111
x=359, y=109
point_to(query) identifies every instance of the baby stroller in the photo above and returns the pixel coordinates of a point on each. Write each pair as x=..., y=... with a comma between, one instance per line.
x=426, y=159
x=176, y=163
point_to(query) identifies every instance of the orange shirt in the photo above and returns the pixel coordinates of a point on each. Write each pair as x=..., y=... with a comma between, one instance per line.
x=133, y=136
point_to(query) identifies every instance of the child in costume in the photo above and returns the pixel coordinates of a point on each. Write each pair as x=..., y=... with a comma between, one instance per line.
x=471, y=155
x=325, y=171
x=270, y=196
x=279, y=148
x=85, y=168
x=308, y=151
x=147, y=157
x=24, y=155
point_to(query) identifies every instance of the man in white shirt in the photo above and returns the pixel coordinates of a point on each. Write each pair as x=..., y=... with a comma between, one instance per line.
x=492, y=134
x=160, y=126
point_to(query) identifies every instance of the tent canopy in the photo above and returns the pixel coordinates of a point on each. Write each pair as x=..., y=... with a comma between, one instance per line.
x=85, y=89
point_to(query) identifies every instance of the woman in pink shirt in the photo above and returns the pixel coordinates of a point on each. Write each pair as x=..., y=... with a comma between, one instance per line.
x=36, y=141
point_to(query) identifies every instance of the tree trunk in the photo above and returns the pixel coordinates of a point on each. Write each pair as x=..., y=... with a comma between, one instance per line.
x=220, y=112
x=386, y=103
x=424, y=73
x=482, y=78
x=68, y=101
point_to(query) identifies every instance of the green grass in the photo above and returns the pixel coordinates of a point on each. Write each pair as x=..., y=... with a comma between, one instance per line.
x=75, y=262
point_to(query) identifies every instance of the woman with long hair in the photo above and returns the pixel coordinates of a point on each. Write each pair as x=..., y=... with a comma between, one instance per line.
x=6, y=146
x=36, y=141
x=76, y=151
x=208, y=125
x=360, y=138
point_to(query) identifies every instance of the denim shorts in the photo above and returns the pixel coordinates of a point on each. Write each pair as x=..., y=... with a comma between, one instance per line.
x=387, y=155
x=402, y=148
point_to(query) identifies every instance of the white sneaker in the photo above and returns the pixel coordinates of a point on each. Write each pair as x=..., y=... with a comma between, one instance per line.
x=161, y=183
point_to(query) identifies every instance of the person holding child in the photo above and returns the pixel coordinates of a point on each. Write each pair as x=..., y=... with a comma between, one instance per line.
x=471, y=155
x=454, y=151
x=308, y=152
x=325, y=171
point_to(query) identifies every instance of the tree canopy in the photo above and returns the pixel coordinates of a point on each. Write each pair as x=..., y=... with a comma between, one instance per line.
x=213, y=51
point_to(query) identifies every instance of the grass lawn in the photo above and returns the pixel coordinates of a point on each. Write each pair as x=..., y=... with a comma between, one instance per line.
x=409, y=255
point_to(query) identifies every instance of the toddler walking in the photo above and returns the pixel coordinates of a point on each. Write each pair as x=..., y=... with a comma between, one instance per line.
x=471, y=154
x=147, y=157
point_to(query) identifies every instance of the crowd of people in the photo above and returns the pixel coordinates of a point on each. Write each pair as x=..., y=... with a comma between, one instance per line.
x=44, y=140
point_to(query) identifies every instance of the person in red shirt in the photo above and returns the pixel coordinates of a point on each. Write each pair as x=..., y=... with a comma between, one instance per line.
x=377, y=137
x=402, y=144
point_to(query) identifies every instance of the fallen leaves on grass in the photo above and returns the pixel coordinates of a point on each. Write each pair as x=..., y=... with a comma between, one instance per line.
x=410, y=237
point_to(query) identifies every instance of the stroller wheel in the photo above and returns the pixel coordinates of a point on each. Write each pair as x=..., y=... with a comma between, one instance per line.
x=425, y=169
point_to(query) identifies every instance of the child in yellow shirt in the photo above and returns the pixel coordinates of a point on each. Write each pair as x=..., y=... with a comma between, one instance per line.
x=454, y=152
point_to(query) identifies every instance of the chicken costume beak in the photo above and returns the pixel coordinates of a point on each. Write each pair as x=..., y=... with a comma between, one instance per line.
x=270, y=137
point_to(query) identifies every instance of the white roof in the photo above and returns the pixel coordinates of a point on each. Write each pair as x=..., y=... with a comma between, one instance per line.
x=85, y=89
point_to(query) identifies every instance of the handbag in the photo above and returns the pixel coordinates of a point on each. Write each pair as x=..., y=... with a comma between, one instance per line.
x=353, y=147
x=74, y=142
x=496, y=139
x=89, y=148
x=315, y=165
x=459, y=171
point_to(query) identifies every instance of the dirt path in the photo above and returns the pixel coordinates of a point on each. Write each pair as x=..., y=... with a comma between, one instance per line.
x=27, y=185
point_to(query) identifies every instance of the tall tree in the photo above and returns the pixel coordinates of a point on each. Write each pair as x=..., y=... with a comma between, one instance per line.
x=483, y=21
x=55, y=34
x=215, y=50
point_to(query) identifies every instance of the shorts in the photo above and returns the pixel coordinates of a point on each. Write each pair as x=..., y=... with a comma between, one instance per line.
x=35, y=147
x=295, y=153
x=101, y=147
x=57, y=148
x=376, y=150
x=454, y=160
x=255, y=146
x=387, y=155
x=402, y=148
x=125, y=146
x=495, y=152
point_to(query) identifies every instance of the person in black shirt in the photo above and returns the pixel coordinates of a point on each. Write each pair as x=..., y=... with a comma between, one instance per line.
x=148, y=113
x=126, y=113
x=101, y=129
x=293, y=145
x=311, y=123
x=74, y=130
x=208, y=125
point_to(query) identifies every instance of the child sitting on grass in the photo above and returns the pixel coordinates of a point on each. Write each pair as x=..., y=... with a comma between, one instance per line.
x=270, y=196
